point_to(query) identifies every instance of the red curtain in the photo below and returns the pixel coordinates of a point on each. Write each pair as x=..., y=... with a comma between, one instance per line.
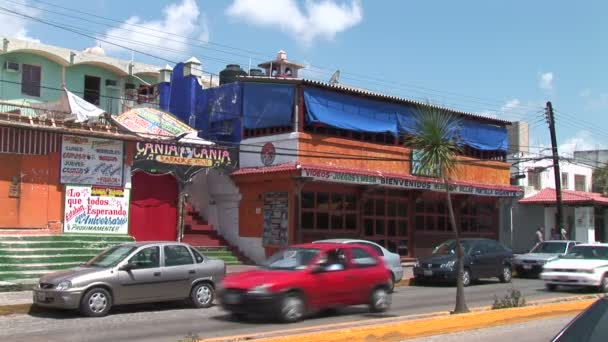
x=153, y=207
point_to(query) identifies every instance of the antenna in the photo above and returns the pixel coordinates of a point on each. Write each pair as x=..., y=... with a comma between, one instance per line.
x=335, y=78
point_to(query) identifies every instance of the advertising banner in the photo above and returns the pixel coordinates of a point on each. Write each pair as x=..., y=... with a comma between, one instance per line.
x=91, y=161
x=402, y=183
x=96, y=210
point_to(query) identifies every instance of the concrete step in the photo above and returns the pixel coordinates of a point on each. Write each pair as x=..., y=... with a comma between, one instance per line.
x=39, y=266
x=47, y=251
x=68, y=237
x=8, y=276
x=33, y=259
x=56, y=244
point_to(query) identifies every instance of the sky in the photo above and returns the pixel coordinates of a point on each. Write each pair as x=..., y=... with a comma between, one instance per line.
x=503, y=59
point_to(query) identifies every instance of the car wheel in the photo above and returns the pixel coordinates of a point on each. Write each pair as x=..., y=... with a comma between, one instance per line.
x=551, y=287
x=604, y=284
x=291, y=309
x=507, y=274
x=466, y=277
x=380, y=300
x=96, y=302
x=202, y=295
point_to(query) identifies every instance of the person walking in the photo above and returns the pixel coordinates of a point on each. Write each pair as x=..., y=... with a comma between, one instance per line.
x=540, y=235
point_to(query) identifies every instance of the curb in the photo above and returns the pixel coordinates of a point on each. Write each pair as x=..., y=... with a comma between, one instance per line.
x=15, y=309
x=405, y=282
x=415, y=326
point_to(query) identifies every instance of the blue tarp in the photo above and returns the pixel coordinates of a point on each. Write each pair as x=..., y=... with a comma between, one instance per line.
x=267, y=105
x=364, y=115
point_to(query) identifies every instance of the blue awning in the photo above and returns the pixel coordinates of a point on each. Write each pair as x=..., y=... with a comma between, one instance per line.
x=267, y=105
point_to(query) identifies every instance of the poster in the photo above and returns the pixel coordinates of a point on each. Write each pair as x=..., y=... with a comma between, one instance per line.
x=276, y=219
x=96, y=210
x=91, y=161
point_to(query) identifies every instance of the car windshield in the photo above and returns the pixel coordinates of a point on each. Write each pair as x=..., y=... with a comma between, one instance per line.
x=111, y=256
x=588, y=252
x=449, y=247
x=550, y=247
x=291, y=259
x=590, y=326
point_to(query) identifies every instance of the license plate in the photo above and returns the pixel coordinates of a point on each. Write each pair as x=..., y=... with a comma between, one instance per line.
x=41, y=296
x=428, y=272
x=527, y=267
x=563, y=278
x=232, y=298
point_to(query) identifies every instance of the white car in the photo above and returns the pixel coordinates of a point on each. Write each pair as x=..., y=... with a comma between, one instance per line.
x=392, y=260
x=584, y=265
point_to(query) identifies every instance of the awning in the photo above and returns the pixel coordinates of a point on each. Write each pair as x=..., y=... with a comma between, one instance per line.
x=547, y=196
x=333, y=174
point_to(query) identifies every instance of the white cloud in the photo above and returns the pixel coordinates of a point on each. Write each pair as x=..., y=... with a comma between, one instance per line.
x=317, y=19
x=582, y=140
x=545, y=81
x=12, y=25
x=179, y=19
x=585, y=93
x=594, y=101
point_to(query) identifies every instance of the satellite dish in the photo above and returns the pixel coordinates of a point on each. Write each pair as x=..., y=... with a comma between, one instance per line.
x=335, y=78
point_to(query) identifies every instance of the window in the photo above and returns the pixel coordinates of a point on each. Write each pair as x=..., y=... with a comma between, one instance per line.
x=477, y=216
x=30, y=80
x=580, y=183
x=329, y=211
x=177, y=255
x=431, y=215
x=334, y=260
x=197, y=256
x=146, y=258
x=361, y=258
x=565, y=181
x=385, y=219
x=534, y=179
x=92, y=86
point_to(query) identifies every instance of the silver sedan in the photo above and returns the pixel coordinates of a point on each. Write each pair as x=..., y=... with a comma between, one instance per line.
x=133, y=273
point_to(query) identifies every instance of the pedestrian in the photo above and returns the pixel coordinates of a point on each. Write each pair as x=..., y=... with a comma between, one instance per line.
x=564, y=233
x=540, y=235
x=554, y=234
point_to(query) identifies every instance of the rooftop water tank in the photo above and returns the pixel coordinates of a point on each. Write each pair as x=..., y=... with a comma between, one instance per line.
x=230, y=73
x=256, y=72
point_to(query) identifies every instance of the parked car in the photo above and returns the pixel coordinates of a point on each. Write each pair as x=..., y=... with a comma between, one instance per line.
x=585, y=265
x=392, y=260
x=590, y=325
x=532, y=263
x=484, y=258
x=309, y=277
x=133, y=273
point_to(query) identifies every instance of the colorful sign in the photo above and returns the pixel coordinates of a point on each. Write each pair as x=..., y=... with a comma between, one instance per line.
x=96, y=210
x=181, y=159
x=91, y=161
x=268, y=154
x=402, y=183
x=418, y=169
x=152, y=122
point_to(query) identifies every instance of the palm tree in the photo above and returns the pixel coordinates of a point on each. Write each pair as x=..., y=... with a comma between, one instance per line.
x=436, y=143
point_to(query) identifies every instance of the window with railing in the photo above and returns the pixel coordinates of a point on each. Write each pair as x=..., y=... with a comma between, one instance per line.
x=534, y=178
x=580, y=182
x=30, y=79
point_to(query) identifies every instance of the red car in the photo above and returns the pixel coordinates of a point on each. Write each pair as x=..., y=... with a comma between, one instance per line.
x=309, y=277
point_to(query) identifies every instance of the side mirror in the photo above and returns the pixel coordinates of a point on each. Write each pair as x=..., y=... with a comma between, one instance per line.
x=476, y=253
x=126, y=267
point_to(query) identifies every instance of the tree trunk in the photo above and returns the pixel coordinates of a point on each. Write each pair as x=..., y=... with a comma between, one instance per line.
x=461, y=305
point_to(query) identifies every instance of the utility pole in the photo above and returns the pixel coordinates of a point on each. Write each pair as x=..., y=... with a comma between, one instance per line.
x=558, y=179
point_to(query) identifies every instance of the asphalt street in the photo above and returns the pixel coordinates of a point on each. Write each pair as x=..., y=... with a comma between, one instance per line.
x=542, y=330
x=174, y=321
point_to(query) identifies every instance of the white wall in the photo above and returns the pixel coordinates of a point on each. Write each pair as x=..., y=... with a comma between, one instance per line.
x=286, y=144
x=584, y=222
x=547, y=178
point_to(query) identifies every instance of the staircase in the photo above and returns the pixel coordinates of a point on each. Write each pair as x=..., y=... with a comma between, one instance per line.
x=201, y=235
x=23, y=259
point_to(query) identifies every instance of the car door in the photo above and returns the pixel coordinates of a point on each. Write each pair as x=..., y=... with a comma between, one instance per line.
x=364, y=272
x=481, y=261
x=335, y=280
x=142, y=281
x=178, y=270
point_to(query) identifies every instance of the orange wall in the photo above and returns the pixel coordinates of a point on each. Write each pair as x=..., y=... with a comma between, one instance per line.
x=252, y=189
x=485, y=172
x=40, y=201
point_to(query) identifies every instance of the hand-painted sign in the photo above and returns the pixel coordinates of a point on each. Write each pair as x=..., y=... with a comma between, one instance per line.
x=404, y=183
x=152, y=122
x=91, y=161
x=181, y=159
x=96, y=210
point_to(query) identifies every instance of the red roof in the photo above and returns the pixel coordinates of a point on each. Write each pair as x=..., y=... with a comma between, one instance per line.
x=294, y=166
x=547, y=196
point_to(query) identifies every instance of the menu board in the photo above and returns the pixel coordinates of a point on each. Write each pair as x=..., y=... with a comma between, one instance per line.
x=91, y=161
x=276, y=219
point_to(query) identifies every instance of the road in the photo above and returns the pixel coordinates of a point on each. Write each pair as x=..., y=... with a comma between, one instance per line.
x=173, y=321
x=533, y=331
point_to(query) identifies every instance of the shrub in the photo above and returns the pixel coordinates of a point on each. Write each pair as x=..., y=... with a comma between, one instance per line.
x=513, y=299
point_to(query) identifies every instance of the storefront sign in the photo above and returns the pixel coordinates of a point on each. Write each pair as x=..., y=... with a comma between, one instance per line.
x=152, y=122
x=401, y=183
x=268, y=154
x=96, y=210
x=91, y=161
x=183, y=160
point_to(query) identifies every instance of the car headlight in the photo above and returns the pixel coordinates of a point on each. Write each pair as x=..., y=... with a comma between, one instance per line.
x=591, y=271
x=261, y=289
x=448, y=264
x=64, y=285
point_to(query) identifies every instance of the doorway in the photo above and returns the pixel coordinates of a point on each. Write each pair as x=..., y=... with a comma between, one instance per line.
x=153, y=207
x=92, y=89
